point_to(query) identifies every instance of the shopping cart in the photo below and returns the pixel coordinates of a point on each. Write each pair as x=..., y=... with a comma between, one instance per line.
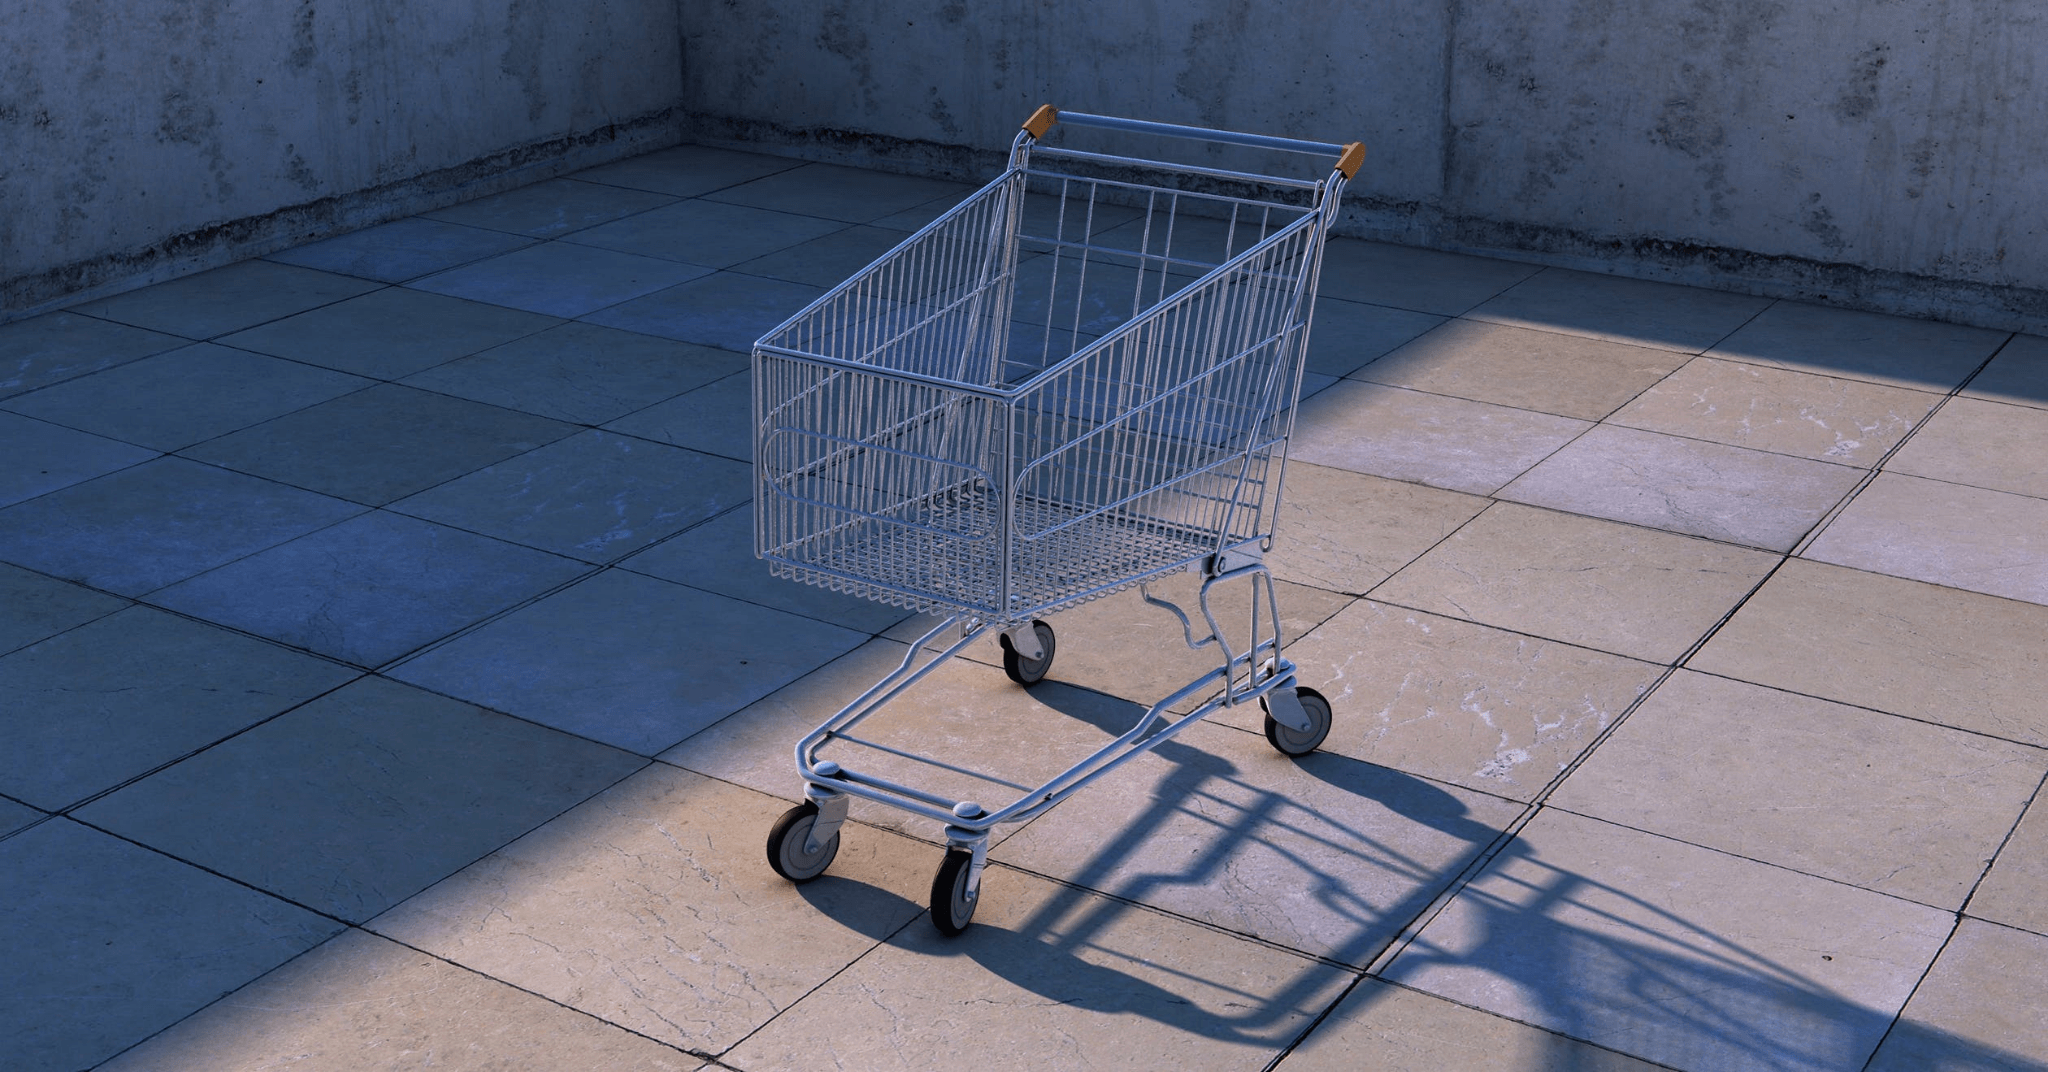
x=1080, y=379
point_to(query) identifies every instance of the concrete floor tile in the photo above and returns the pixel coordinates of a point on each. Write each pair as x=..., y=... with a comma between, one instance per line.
x=1674, y=953
x=369, y=589
x=1346, y=532
x=1896, y=350
x=55, y=347
x=580, y=373
x=1348, y=334
x=726, y=310
x=1955, y=658
x=2018, y=375
x=361, y=798
x=709, y=233
x=1394, y=1029
x=1122, y=646
x=401, y=250
x=717, y=418
x=1962, y=537
x=1425, y=280
x=629, y=660
x=652, y=907
x=915, y=217
x=42, y=457
x=686, y=170
x=1456, y=702
x=1095, y=302
x=391, y=333
x=361, y=1003
x=87, y=710
x=381, y=444
x=227, y=299
x=186, y=396
x=1982, y=444
x=827, y=261
x=1430, y=439
x=1049, y=217
x=718, y=556
x=1684, y=485
x=551, y=208
x=559, y=279
x=1873, y=800
x=2011, y=892
x=1568, y=375
x=109, y=943
x=1980, y=1007
x=595, y=496
x=965, y=714
x=15, y=817
x=1638, y=592
x=34, y=607
x=1072, y=979
x=157, y=523
x=854, y=195
x=1825, y=418
x=1323, y=855
x=1632, y=311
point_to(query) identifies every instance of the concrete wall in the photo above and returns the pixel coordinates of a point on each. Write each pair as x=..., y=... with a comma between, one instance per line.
x=140, y=140
x=1887, y=154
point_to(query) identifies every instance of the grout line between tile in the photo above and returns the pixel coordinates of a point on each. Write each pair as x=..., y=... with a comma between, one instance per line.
x=2037, y=798
x=1813, y=534
x=1899, y=1016
x=1539, y=800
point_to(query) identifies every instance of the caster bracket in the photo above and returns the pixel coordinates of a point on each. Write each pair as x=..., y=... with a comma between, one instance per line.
x=832, y=806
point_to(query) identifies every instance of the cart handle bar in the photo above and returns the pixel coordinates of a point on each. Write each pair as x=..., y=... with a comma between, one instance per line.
x=1349, y=156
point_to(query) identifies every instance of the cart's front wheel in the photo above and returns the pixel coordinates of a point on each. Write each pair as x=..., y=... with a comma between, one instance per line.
x=952, y=909
x=1028, y=671
x=786, y=845
x=1294, y=742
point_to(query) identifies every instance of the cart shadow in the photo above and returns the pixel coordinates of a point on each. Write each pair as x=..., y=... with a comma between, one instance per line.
x=1670, y=988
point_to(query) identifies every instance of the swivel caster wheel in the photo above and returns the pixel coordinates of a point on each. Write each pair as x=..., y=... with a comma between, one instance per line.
x=1293, y=742
x=952, y=908
x=786, y=840
x=1028, y=672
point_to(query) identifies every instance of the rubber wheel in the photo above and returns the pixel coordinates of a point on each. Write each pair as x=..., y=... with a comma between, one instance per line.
x=1028, y=672
x=786, y=845
x=951, y=910
x=1293, y=742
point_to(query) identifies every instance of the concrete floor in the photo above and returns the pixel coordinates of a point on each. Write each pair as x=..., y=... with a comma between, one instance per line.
x=386, y=683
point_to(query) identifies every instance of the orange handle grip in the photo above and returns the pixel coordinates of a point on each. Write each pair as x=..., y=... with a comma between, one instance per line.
x=1354, y=155
x=1042, y=120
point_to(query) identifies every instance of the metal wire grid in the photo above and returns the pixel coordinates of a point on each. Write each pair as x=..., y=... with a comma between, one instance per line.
x=910, y=452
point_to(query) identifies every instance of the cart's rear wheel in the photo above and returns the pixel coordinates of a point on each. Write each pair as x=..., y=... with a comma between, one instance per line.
x=952, y=909
x=1024, y=671
x=786, y=845
x=1293, y=742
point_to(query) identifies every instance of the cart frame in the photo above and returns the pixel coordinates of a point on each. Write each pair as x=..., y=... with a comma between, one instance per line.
x=889, y=416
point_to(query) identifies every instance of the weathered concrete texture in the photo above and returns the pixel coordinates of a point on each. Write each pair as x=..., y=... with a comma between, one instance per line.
x=1896, y=138
x=136, y=143
x=1878, y=156
x=938, y=84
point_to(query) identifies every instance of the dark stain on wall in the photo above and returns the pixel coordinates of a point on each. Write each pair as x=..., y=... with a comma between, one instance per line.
x=525, y=35
x=1859, y=90
x=304, y=47
x=1680, y=126
x=1817, y=221
x=1214, y=50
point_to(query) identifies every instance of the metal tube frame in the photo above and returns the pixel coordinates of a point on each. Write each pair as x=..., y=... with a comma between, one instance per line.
x=1239, y=677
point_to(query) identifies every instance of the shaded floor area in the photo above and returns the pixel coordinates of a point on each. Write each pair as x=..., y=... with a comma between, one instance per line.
x=386, y=682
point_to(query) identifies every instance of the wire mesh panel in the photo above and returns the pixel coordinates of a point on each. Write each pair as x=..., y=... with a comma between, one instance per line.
x=1063, y=386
